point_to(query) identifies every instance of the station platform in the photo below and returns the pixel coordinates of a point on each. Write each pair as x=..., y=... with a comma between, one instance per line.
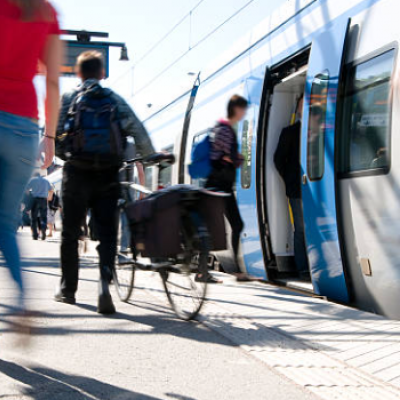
x=327, y=350
x=334, y=351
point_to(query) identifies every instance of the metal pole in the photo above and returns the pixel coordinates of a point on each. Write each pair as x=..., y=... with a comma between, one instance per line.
x=185, y=130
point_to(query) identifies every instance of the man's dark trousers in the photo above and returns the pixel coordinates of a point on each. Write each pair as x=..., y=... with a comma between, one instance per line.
x=39, y=216
x=98, y=191
x=300, y=253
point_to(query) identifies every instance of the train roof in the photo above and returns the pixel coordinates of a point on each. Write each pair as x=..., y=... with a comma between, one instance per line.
x=260, y=32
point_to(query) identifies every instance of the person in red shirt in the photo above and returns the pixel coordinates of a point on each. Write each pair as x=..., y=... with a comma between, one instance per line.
x=29, y=33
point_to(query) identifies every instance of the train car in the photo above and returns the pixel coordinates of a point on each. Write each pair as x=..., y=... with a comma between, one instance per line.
x=341, y=54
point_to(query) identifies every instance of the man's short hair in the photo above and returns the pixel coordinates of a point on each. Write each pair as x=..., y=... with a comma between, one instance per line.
x=90, y=65
x=236, y=101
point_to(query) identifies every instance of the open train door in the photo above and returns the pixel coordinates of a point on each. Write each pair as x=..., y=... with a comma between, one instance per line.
x=318, y=162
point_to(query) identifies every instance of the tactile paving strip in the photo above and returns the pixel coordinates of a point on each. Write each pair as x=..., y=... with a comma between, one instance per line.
x=298, y=361
x=304, y=363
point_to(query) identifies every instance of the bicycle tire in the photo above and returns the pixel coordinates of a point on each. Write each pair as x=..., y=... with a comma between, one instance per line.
x=124, y=280
x=174, y=280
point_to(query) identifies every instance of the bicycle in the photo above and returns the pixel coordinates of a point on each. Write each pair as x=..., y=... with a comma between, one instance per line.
x=180, y=272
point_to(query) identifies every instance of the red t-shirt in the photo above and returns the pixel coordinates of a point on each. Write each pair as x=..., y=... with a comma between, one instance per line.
x=22, y=45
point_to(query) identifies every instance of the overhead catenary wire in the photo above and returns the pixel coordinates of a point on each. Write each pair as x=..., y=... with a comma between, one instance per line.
x=160, y=41
x=202, y=40
x=188, y=15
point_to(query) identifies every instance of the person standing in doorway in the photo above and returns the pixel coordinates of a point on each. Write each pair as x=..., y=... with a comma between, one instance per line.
x=29, y=33
x=287, y=162
x=41, y=189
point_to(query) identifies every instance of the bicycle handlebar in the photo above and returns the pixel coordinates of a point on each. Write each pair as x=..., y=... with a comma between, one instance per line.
x=163, y=159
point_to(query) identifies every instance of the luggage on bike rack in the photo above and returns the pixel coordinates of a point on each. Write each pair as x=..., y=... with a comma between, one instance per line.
x=212, y=209
x=156, y=222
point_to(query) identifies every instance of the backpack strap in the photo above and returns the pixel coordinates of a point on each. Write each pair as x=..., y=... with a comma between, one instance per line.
x=72, y=111
x=81, y=92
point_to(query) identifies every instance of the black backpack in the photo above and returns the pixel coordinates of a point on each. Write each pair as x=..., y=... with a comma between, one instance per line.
x=92, y=130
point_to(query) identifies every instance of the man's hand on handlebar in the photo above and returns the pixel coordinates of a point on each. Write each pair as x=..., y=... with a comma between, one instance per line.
x=164, y=159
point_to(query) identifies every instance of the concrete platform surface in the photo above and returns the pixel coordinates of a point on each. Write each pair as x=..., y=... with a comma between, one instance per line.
x=254, y=341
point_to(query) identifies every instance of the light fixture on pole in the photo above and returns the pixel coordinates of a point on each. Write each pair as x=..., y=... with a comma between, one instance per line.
x=124, y=54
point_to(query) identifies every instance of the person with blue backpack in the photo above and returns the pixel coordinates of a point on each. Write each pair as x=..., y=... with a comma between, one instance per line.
x=92, y=135
x=216, y=159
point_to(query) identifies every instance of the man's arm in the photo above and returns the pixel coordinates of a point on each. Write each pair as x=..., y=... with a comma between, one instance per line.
x=280, y=156
x=132, y=126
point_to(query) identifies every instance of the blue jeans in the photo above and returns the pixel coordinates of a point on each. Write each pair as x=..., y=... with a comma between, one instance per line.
x=300, y=254
x=19, y=140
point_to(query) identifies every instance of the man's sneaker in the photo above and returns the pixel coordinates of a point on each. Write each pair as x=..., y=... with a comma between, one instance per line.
x=105, y=303
x=43, y=235
x=206, y=278
x=60, y=297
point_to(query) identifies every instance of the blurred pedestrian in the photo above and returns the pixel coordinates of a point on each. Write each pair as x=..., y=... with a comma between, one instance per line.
x=26, y=207
x=41, y=189
x=29, y=33
x=225, y=159
x=128, y=194
x=53, y=205
x=91, y=138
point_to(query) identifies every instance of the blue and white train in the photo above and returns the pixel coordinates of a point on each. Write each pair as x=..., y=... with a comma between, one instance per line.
x=342, y=54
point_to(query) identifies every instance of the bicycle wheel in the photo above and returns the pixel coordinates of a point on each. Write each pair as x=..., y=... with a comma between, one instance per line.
x=124, y=279
x=185, y=294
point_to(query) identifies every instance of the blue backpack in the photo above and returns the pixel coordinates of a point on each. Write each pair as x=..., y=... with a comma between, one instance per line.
x=93, y=133
x=200, y=166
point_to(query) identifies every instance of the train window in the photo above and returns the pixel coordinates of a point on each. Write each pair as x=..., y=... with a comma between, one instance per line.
x=247, y=143
x=317, y=127
x=148, y=177
x=365, y=137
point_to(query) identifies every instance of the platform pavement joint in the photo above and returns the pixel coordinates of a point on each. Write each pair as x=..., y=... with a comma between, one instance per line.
x=310, y=360
x=330, y=350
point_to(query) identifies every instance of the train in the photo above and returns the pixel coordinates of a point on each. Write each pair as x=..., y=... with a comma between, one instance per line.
x=343, y=54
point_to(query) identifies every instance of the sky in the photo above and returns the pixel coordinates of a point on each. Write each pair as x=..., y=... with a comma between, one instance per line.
x=142, y=23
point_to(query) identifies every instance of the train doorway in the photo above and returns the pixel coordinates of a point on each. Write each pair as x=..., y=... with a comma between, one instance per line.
x=287, y=85
x=316, y=74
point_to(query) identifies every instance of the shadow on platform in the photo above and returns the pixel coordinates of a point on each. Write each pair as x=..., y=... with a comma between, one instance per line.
x=47, y=384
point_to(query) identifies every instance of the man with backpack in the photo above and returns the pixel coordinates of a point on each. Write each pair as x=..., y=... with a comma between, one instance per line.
x=91, y=137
